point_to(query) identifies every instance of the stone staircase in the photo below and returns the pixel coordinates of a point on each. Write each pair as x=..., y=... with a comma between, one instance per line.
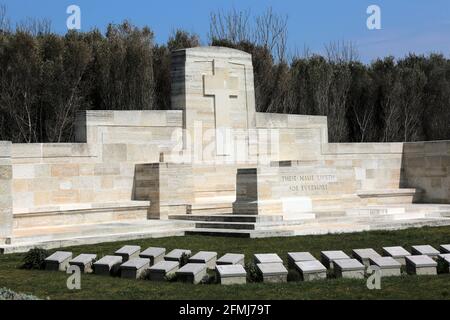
x=244, y=226
x=364, y=209
x=395, y=216
x=389, y=217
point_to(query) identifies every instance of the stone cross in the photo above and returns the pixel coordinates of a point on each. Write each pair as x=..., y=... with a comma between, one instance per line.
x=221, y=86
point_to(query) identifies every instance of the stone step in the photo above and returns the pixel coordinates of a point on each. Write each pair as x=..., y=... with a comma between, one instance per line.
x=210, y=208
x=392, y=218
x=416, y=223
x=251, y=225
x=391, y=196
x=209, y=211
x=241, y=233
x=326, y=214
x=397, y=210
x=388, y=192
x=445, y=214
x=398, y=213
x=323, y=227
x=95, y=230
x=80, y=214
x=375, y=211
x=227, y=218
x=428, y=208
x=25, y=244
x=220, y=233
x=226, y=225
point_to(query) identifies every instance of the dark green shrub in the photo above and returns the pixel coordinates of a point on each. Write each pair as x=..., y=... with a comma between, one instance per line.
x=35, y=259
x=293, y=275
x=442, y=266
x=209, y=278
x=145, y=275
x=184, y=259
x=253, y=274
x=6, y=294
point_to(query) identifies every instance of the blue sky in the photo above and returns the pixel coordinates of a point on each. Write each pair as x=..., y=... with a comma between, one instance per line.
x=407, y=25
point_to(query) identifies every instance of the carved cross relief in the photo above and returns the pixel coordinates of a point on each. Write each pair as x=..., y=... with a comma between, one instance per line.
x=221, y=86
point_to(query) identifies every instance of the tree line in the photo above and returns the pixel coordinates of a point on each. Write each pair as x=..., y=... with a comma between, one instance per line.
x=45, y=78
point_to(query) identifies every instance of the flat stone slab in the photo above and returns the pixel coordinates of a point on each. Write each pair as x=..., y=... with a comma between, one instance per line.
x=175, y=254
x=134, y=268
x=231, y=270
x=231, y=258
x=128, y=252
x=108, y=265
x=385, y=262
x=363, y=255
x=349, y=268
x=444, y=256
x=84, y=262
x=267, y=258
x=421, y=265
x=59, y=256
x=389, y=267
x=192, y=272
x=349, y=264
x=444, y=259
x=445, y=248
x=192, y=268
x=83, y=259
x=207, y=257
x=154, y=254
x=311, y=266
x=421, y=261
x=273, y=272
x=426, y=250
x=135, y=264
x=162, y=269
x=397, y=252
x=311, y=270
x=294, y=257
x=231, y=274
x=165, y=266
x=58, y=261
x=328, y=257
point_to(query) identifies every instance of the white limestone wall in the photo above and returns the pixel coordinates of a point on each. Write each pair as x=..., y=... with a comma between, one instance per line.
x=100, y=169
x=361, y=166
x=169, y=187
x=299, y=137
x=426, y=165
x=94, y=173
x=371, y=166
x=6, y=217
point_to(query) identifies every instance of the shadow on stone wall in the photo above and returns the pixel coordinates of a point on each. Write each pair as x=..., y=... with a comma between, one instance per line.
x=426, y=166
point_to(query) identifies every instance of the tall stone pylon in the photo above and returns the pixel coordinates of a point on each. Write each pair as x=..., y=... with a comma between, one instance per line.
x=214, y=86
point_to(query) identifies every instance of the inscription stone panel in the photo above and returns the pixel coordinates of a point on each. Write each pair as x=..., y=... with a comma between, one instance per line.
x=300, y=184
x=290, y=191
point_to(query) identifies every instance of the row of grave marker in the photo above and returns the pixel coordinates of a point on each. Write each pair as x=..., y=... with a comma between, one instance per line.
x=130, y=262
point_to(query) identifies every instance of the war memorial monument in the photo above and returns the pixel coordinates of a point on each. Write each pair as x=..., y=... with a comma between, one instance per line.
x=213, y=165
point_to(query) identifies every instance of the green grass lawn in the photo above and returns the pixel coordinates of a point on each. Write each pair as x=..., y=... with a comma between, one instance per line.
x=52, y=285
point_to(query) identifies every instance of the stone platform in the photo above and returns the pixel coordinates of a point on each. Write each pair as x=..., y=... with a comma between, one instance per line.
x=74, y=235
x=353, y=220
x=245, y=226
x=213, y=165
